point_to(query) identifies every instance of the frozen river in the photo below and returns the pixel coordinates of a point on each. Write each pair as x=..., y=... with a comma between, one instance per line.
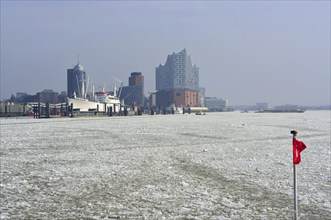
x=218, y=166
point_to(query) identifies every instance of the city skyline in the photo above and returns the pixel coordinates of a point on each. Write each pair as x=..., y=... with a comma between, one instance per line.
x=247, y=52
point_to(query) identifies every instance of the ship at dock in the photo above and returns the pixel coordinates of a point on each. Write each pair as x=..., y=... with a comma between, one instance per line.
x=283, y=109
x=82, y=96
x=101, y=101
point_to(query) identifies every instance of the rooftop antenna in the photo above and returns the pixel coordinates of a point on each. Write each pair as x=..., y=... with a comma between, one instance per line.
x=78, y=58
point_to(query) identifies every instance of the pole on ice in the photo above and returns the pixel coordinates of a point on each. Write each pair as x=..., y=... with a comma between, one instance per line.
x=294, y=133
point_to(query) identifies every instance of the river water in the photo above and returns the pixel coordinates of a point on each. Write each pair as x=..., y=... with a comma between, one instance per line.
x=215, y=166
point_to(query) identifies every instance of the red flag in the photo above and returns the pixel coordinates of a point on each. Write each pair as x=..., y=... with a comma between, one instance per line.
x=298, y=147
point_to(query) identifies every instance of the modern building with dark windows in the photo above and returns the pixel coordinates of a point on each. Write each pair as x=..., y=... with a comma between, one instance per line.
x=177, y=81
x=136, y=79
x=134, y=93
x=76, y=82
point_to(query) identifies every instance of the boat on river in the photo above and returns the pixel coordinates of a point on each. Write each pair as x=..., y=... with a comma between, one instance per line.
x=281, y=111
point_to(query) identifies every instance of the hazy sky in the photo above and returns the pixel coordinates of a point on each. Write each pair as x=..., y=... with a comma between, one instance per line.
x=247, y=51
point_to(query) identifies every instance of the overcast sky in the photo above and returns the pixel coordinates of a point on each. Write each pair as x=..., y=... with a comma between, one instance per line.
x=247, y=51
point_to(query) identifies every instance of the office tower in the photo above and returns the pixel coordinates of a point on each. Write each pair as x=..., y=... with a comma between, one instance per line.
x=136, y=79
x=76, y=82
x=134, y=93
x=177, y=81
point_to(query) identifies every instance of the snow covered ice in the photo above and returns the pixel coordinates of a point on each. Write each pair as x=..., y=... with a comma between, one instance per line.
x=217, y=166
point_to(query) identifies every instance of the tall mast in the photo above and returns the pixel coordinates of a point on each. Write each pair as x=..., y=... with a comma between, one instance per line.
x=78, y=87
x=83, y=86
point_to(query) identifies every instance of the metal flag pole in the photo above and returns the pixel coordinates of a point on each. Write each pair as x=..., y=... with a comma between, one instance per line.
x=294, y=133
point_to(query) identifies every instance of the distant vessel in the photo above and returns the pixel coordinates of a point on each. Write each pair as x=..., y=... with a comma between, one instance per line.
x=200, y=113
x=281, y=111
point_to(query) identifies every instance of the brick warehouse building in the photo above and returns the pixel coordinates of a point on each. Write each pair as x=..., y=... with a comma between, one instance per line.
x=177, y=97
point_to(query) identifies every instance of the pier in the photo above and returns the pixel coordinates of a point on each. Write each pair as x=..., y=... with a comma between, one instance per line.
x=47, y=110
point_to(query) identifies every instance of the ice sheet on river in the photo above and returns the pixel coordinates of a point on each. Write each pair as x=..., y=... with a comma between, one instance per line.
x=217, y=166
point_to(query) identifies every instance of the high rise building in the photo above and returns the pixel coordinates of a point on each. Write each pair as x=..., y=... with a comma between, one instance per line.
x=134, y=93
x=76, y=82
x=136, y=79
x=177, y=81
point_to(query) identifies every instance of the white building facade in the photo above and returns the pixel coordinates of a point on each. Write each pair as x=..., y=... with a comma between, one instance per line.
x=177, y=73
